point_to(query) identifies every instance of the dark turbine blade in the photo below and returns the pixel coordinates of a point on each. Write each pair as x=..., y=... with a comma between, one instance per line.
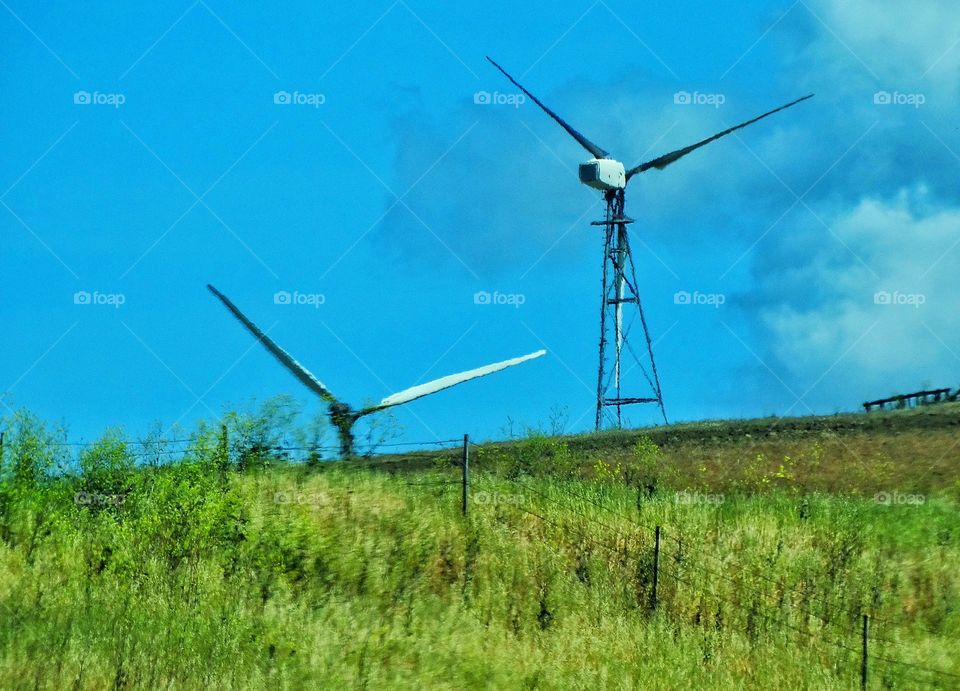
x=294, y=367
x=595, y=150
x=665, y=160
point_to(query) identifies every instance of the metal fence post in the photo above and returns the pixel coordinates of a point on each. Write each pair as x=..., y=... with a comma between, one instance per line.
x=656, y=569
x=223, y=449
x=466, y=471
x=864, y=658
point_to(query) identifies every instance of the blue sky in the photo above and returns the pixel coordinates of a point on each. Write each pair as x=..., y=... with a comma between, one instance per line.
x=182, y=170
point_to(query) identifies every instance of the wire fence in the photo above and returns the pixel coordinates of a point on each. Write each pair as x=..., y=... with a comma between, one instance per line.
x=678, y=538
x=832, y=631
x=182, y=448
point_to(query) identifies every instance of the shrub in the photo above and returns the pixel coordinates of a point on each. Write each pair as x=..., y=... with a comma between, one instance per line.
x=648, y=473
x=257, y=434
x=31, y=453
x=107, y=469
x=535, y=455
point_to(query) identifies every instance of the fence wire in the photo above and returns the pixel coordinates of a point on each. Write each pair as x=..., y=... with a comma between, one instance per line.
x=369, y=460
x=672, y=571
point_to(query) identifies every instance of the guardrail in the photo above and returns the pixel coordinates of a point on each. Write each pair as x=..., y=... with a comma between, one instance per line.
x=911, y=400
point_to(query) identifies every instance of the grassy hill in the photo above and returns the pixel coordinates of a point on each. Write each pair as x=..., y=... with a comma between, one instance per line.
x=909, y=451
x=776, y=536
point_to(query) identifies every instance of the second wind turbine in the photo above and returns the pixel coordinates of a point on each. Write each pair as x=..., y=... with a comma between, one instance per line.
x=619, y=276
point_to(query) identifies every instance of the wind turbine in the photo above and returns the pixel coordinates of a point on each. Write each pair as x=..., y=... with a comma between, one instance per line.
x=342, y=415
x=611, y=177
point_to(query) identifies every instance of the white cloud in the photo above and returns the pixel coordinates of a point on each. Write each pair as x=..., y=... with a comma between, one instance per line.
x=910, y=248
x=897, y=39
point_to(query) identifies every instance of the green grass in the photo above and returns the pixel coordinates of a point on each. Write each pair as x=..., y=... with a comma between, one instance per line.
x=344, y=576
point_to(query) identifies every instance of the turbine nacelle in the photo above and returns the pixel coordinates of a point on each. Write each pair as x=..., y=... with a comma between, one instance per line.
x=603, y=174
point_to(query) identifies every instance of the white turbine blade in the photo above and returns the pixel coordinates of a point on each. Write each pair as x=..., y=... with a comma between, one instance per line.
x=421, y=390
x=298, y=370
